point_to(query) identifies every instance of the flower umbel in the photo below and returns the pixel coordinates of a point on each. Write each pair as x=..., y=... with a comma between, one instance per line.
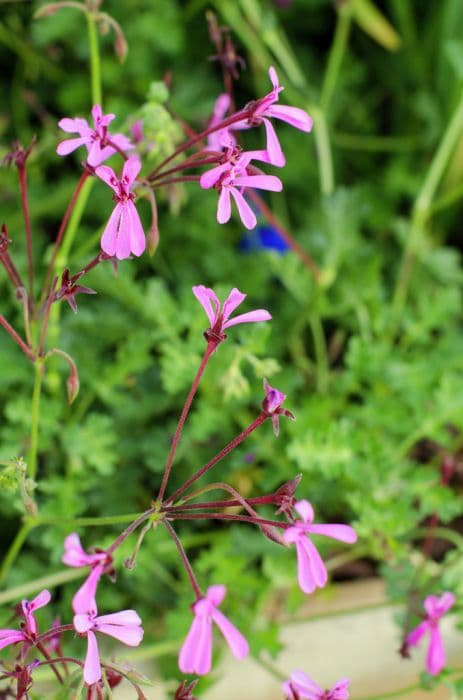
x=96, y=140
x=301, y=687
x=124, y=626
x=219, y=316
x=123, y=234
x=435, y=608
x=195, y=654
x=311, y=571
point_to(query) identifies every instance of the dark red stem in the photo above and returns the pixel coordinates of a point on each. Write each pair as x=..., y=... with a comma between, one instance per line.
x=192, y=162
x=186, y=563
x=230, y=503
x=228, y=448
x=174, y=180
x=243, y=114
x=27, y=224
x=228, y=516
x=46, y=317
x=12, y=272
x=131, y=528
x=9, y=329
x=54, y=632
x=51, y=661
x=62, y=230
x=211, y=346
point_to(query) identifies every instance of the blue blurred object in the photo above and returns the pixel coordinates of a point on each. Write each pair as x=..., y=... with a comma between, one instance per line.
x=261, y=238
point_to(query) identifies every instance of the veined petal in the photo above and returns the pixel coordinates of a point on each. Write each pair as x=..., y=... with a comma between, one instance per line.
x=107, y=174
x=224, y=206
x=340, y=691
x=276, y=155
x=92, y=667
x=247, y=216
x=83, y=622
x=291, y=115
x=259, y=182
x=414, y=637
x=75, y=126
x=132, y=167
x=311, y=569
x=234, y=299
x=123, y=234
x=66, y=147
x=131, y=636
x=136, y=233
x=109, y=237
x=249, y=317
x=302, y=683
x=124, y=617
x=208, y=300
x=435, y=658
x=239, y=646
x=196, y=652
x=344, y=533
x=210, y=177
x=40, y=600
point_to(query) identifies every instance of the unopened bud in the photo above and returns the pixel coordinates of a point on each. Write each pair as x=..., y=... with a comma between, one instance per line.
x=73, y=384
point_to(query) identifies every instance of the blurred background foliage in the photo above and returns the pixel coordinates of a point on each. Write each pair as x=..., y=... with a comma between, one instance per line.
x=369, y=355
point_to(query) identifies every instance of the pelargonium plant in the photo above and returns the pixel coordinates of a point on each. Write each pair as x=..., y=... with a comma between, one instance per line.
x=212, y=159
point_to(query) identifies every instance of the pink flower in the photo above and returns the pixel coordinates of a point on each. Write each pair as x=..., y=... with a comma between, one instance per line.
x=123, y=626
x=219, y=317
x=123, y=233
x=29, y=607
x=96, y=140
x=231, y=177
x=222, y=138
x=311, y=571
x=301, y=687
x=29, y=633
x=435, y=608
x=75, y=555
x=272, y=406
x=195, y=654
x=266, y=108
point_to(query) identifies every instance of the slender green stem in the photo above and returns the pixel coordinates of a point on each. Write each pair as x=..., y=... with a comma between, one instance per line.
x=392, y=693
x=422, y=208
x=32, y=458
x=337, y=51
x=52, y=581
x=95, y=65
x=323, y=147
x=14, y=550
x=85, y=522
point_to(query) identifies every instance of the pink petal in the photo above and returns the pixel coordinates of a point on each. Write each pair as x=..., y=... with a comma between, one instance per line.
x=234, y=299
x=305, y=510
x=66, y=147
x=340, y=691
x=124, y=617
x=41, y=600
x=276, y=155
x=210, y=177
x=436, y=606
x=96, y=155
x=235, y=640
x=107, y=174
x=293, y=534
x=74, y=554
x=131, y=636
x=260, y=182
x=75, y=126
x=8, y=637
x=132, y=167
x=122, y=142
x=215, y=594
x=249, y=317
x=123, y=234
x=196, y=652
x=84, y=600
x=304, y=684
x=414, y=637
x=109, y=237
x=310, y=567
x=224, y=206
x=261, y=155
x=83, y=622
x=246, y=214
x=208, y=300
x=344, y=533
x=291, y=115
x=136, y=233
x=273, y=77
x=92, y=668
x=435, y=658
